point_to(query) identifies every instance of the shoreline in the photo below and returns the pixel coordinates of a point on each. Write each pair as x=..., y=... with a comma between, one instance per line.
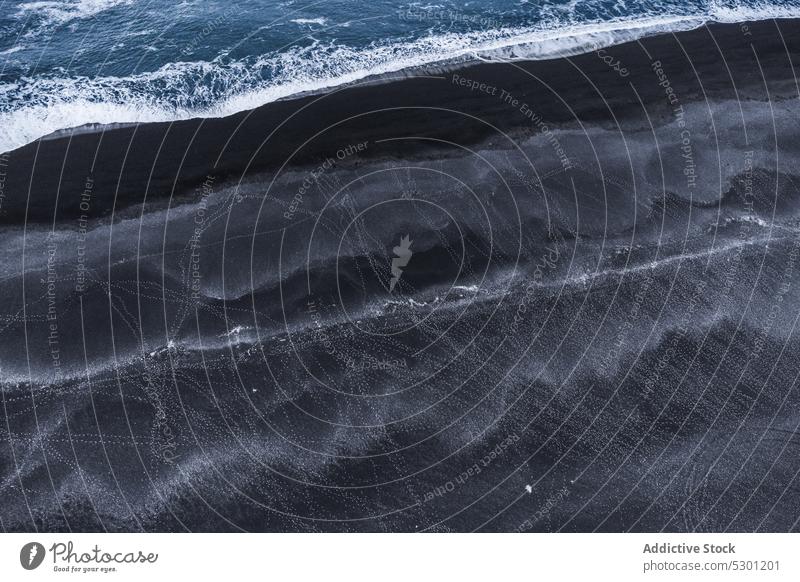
x=157, y=161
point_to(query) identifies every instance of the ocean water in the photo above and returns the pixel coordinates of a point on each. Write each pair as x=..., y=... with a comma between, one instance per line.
x=67, y=63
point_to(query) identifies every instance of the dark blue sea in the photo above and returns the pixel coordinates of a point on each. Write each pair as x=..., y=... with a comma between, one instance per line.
x=73, y=62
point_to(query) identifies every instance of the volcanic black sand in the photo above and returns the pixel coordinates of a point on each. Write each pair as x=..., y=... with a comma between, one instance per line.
x=555, y=295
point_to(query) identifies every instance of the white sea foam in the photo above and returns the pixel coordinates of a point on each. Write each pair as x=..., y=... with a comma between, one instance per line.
x=34, y=108
x=721, y=11
x=56, y=13
x=319, y=21
x=12, y=50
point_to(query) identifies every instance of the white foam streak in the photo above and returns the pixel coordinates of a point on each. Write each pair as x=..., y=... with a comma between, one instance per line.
x=57, y=13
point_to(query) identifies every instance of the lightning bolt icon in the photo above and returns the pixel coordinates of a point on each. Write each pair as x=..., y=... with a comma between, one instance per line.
x=403, y=254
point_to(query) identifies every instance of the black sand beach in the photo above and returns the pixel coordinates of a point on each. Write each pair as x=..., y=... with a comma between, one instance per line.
x=591, y=325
